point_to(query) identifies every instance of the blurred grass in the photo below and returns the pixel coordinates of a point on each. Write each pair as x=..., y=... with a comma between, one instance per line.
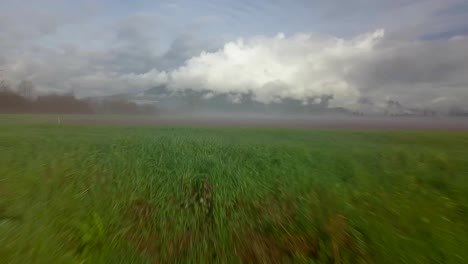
x=77, y=194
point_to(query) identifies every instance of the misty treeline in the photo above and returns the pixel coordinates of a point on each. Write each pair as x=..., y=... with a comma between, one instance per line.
x=22, y=99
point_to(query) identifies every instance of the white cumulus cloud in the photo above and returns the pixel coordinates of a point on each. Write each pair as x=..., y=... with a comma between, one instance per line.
x=299, y=67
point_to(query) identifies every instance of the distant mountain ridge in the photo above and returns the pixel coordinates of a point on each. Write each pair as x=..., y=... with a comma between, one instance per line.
x=205, y=101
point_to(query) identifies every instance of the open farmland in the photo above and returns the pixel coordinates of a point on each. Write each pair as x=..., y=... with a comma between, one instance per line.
x=75, y=193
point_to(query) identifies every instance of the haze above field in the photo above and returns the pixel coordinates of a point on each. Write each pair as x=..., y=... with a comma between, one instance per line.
x=358, y=55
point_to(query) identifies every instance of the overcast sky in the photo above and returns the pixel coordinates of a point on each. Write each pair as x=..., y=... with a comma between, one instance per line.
x=413, y=51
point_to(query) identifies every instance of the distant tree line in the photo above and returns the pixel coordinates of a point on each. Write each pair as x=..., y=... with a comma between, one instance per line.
x=23, y=100
x=457, y=111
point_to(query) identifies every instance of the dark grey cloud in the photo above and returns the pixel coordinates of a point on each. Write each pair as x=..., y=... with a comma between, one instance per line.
x=417, y=62
x=129, y=48
x=424, y=73
x=184, y=47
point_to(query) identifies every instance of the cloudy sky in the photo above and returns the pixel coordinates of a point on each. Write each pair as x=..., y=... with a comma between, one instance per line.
x=413, y=51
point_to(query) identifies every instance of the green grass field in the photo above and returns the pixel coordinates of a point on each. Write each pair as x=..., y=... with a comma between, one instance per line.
x=77, y=194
